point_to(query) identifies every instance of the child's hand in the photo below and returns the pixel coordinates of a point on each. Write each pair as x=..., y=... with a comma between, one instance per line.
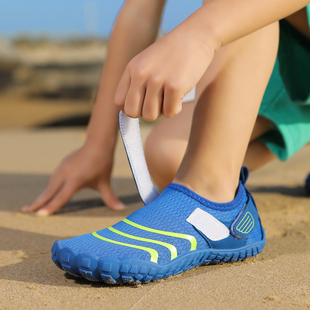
x=87, y=167
x=156, y=80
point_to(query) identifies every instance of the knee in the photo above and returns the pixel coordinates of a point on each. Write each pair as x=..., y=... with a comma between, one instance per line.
x=161, y=160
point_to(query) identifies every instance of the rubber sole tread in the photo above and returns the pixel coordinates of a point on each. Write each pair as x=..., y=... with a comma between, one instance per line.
x=135, y=271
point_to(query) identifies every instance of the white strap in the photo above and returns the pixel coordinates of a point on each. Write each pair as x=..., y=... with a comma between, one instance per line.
x=190, y=96
x=130, y=132
x=210, y=226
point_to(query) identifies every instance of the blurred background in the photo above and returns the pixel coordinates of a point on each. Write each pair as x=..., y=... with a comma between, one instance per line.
x=51, y=56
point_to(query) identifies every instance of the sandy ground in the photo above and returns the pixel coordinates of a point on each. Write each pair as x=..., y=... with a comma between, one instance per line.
x=18, y=111
x=279, y=278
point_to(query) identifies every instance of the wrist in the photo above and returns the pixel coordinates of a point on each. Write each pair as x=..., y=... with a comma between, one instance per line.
x=103, y=125
x=198, y=34
x=101, y=142
x=202, y=29
x=98, y=156
x=101, y=136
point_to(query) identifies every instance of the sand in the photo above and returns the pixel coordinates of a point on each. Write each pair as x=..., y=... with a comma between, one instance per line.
x=279, y=278
x=18, y=111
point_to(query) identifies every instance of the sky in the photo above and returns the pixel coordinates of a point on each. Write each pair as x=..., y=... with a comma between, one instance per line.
x=65, y=18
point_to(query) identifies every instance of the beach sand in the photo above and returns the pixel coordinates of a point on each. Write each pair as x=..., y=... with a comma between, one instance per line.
x=278, y=278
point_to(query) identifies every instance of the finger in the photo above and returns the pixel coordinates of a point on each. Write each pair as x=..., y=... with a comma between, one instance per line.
x=110, y=199
x=122, y=90
x=53, y=187
x=62, y=197
x=172, y=101
x=134, y=100
x=153, y=102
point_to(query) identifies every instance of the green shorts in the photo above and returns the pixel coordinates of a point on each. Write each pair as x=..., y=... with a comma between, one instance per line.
x=286, y=102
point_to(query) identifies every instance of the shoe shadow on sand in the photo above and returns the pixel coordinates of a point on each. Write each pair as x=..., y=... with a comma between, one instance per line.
x=17, y=190
x=298, y=191
x=85, y=204
x=25, y=255
x=27, y=259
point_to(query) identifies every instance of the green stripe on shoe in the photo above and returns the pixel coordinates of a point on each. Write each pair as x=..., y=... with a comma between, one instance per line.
x=246, y=224
x=190, y=238
x=171, y=247
x=154, y=253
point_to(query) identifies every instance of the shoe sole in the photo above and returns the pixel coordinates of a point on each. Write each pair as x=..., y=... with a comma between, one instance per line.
x=136, y=271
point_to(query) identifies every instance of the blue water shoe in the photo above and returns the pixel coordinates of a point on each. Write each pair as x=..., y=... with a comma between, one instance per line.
x=176, y=232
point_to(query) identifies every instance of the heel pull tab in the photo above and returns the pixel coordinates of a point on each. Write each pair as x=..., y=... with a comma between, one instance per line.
x=244, y=174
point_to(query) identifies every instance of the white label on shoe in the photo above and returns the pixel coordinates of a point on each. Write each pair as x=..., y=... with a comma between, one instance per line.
x=211, y=227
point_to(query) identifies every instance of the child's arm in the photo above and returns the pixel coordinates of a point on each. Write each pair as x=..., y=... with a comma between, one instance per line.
x=171, y=67
x=136, y=27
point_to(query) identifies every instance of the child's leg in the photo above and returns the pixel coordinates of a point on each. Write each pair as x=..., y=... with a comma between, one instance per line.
x=257, y=155
x=166, y=145
x=229, y=95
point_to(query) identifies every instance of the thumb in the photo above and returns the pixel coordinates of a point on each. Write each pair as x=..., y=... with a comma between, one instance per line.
x=110, y=199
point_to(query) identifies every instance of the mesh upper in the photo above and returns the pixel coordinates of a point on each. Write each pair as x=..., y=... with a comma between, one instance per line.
x=166, y=213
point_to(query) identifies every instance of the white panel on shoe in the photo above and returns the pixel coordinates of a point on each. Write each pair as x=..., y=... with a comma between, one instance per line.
x=130, y=132
x=211, y=227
